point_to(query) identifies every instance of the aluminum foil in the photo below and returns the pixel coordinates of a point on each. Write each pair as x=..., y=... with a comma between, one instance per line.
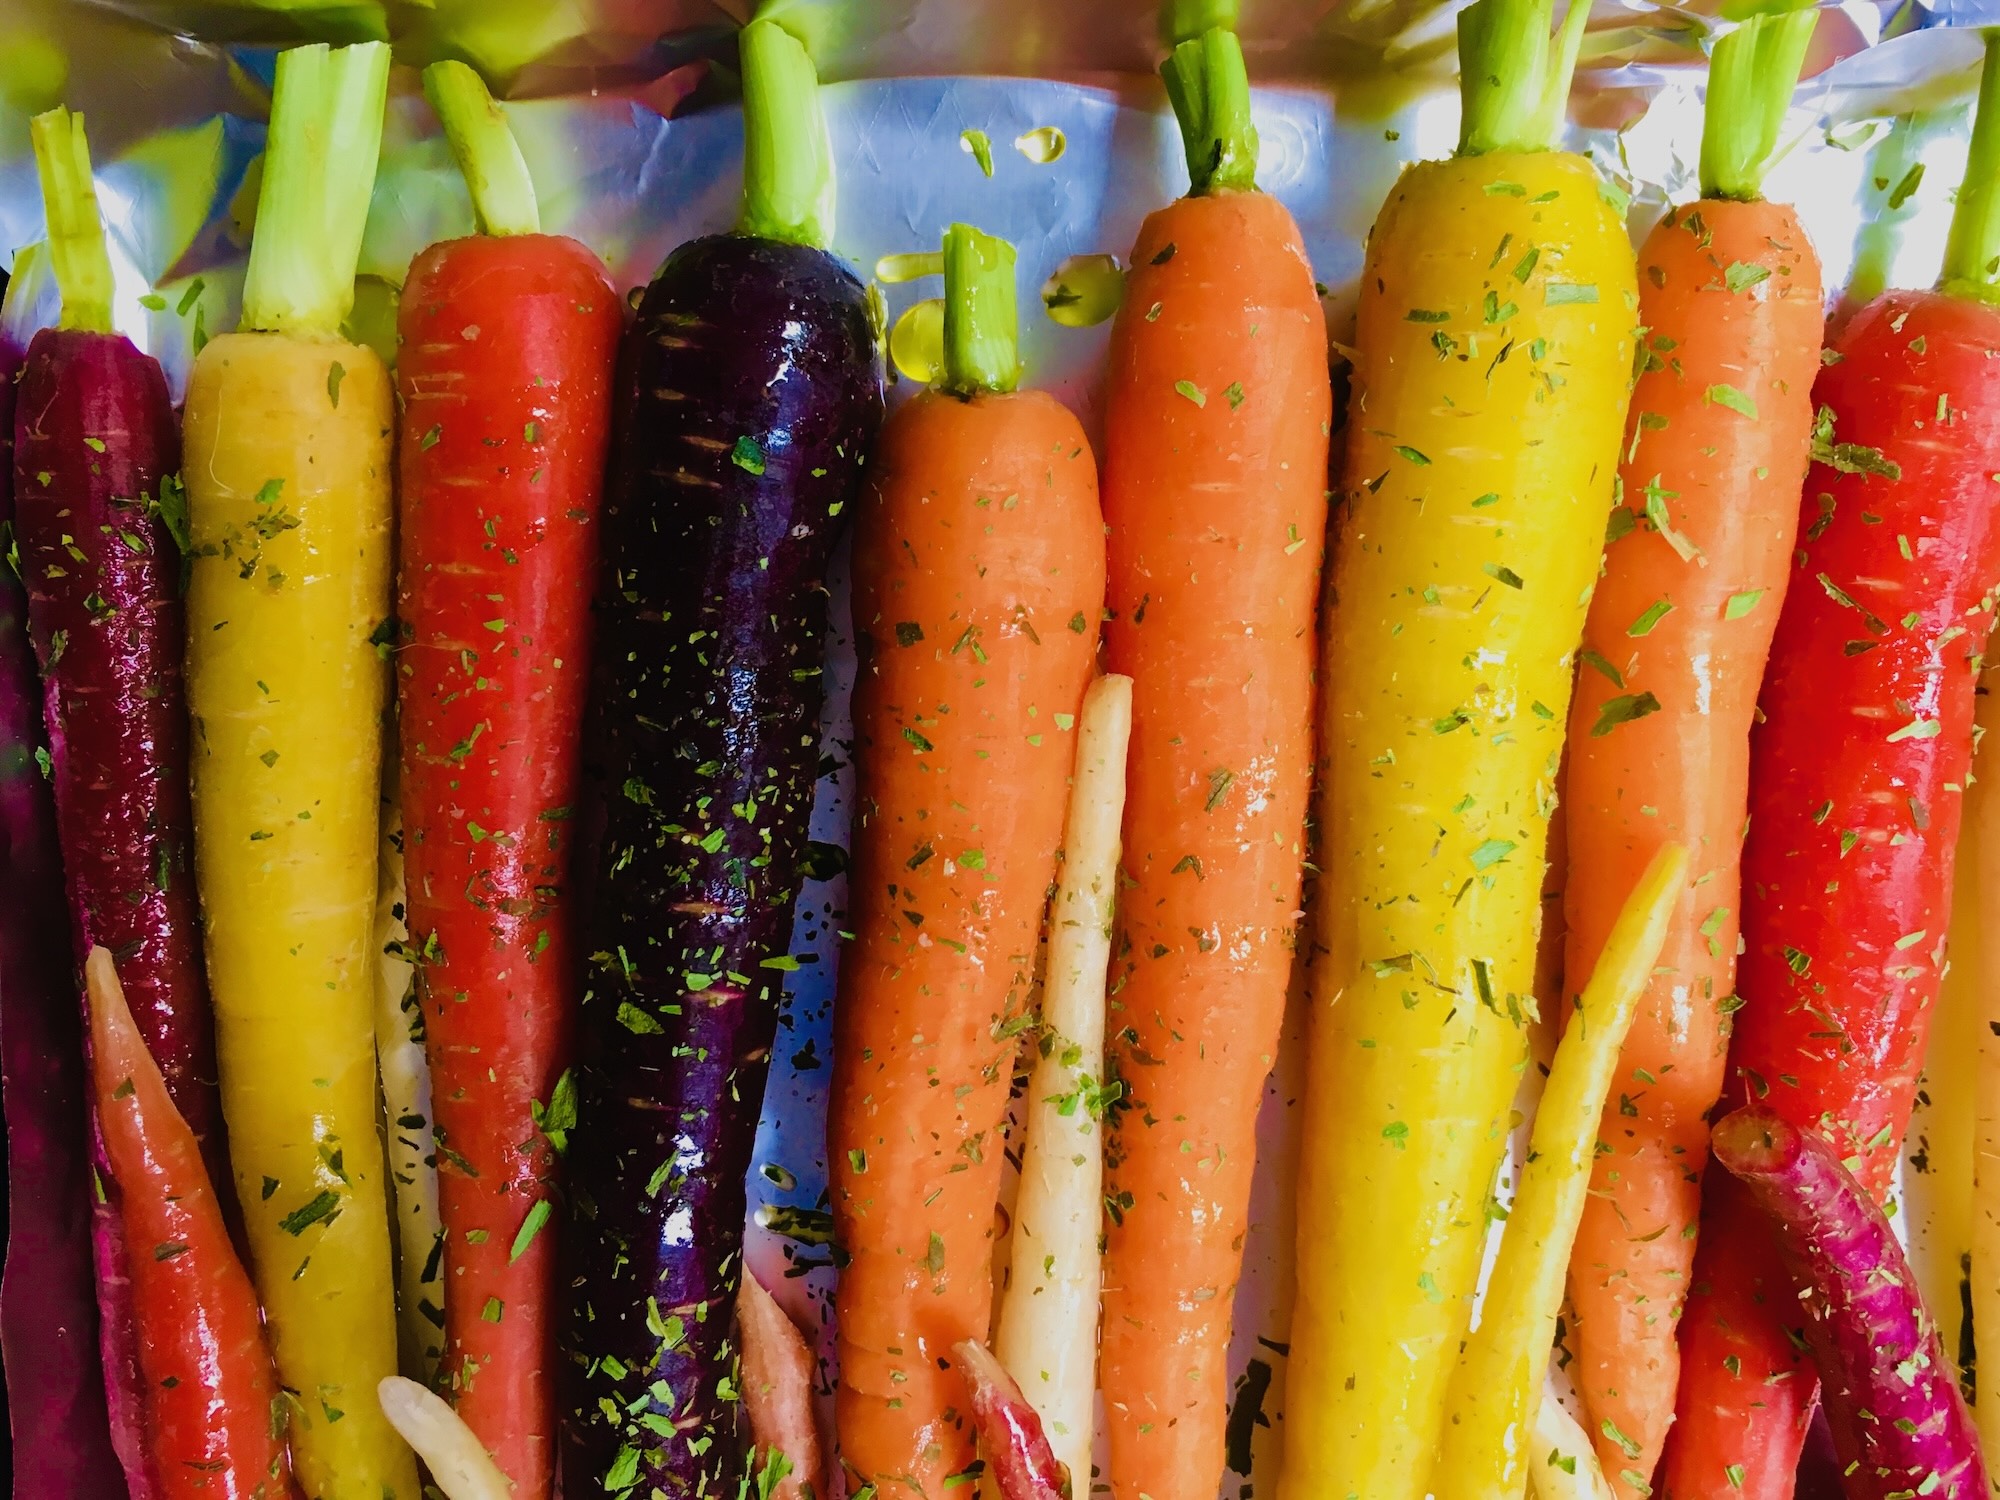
x=623, y=110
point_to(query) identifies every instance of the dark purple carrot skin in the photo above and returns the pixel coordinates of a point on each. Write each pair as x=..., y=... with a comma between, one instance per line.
x=48, y=1308
x=752, y=390
x=95, y=440
x=1900, y=1425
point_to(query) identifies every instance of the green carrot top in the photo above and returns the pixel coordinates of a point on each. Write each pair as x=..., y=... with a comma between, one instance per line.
x=319, y=172
x=488, y=156
x=76, y=229
x=1751, y=76
x=981, y=332
x=1514, y=74
x=1972, y=253
x=787, y=163
x=1210, y=90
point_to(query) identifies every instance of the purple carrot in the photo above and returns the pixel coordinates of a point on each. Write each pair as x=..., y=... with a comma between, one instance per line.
x=1018, y=1456
x=48, y=1310
x=95, y=450
x=751, y=393
x=1900, y=1425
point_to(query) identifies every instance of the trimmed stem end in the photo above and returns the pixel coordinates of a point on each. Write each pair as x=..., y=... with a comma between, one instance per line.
x=1513, y=74
x=319, y=172
x=981, y=330
x=787, y=162
x=1209, y=86
x=1752, y=75
x=1972, y=253
x=488, y=156
x=1754, y=1141
x=76, y=228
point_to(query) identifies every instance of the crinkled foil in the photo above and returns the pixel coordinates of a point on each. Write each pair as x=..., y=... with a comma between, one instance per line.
x=624, y=114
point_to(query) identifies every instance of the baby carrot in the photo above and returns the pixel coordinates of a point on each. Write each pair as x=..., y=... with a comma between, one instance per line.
x=1216, y=422
x=1700, y=551
x=1495, y=348
x=979, y=578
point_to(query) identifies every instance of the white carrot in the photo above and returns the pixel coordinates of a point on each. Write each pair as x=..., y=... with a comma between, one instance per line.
x=1047, y=1330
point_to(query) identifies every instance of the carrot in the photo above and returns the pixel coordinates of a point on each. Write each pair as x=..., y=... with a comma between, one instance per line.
x=287, y=460
x=209, y=1386
x=509, y=343
x=49, y=1328
x=1700, y=552
x=1899, y=1423
x=1496, y=1389
x=1216, y=418
x=979, y=578
x=1495, y=352
x=1046, y=1332
x=778, y=1398
x=1858, y=771
x=1981, y=843
x=95, y=450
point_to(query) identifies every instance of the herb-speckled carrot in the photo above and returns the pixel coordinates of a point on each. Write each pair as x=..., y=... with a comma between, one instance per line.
x=288, y=438
x=1857, y=778
x=1701, y=550
x=1495, y=349
x=509, y=343
x=979, y=579
x=1216, y=423
x=753, y=390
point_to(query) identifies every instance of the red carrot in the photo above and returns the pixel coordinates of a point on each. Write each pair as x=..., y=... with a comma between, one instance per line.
x=1857, y=778
x=509, y=343
x=1018, y=1455
x=212, y=1398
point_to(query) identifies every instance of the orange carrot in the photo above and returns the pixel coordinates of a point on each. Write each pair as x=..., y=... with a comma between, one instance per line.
x=1215, y=503
x=1679, y=629
x=214, y=1416
x=979, y=578
x=777, y=1389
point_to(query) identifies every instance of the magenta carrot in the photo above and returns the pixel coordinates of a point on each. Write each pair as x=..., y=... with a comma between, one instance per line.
x=1899, y=1424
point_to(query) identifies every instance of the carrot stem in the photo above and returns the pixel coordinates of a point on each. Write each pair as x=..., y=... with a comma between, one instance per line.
x=1751, y=76
x=1513, y=74
x=1184, y=20
x=787, y=163
x=76, y=230
x=319, y=170
x=981, y=333
x=1210, y=90
x=489, y=158
x=1972, y=253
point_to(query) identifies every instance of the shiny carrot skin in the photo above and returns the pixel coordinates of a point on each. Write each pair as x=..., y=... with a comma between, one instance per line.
x=1721, y=422
x=48, y=1305
x=979, y=579
x=509, y=345
x=212, y=1398
x=1216, y=421
x=96, y=454
x=1857, y=778
x=1495, y=345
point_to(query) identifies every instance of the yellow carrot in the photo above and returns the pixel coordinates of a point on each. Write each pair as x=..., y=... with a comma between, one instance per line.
x=1495, y=1393
x=1494, y=357
x=288, y=471
x=1982, y=828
